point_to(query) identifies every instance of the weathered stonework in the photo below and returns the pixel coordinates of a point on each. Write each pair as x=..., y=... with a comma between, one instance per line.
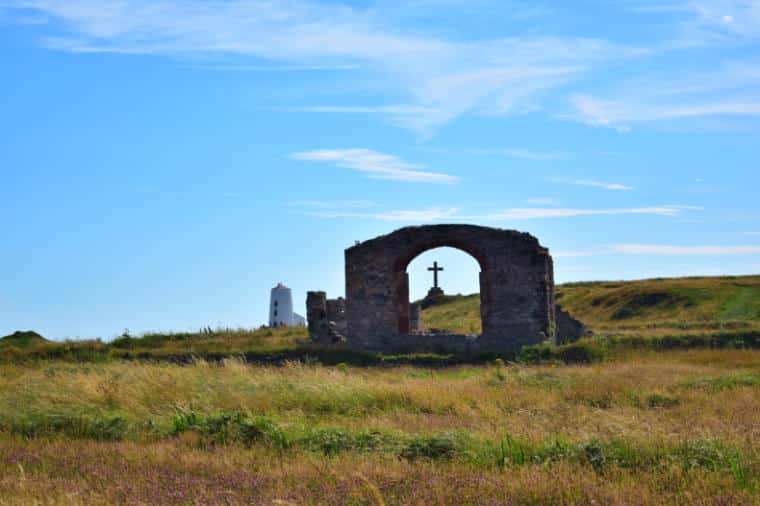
x=327, y=318
x=316, y=315
x=516, y=291
x=415, y=318
x=568, y=328
x=336, y=315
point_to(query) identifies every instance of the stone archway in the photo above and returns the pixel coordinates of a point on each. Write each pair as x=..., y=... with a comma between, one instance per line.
x=401, y=277
x=516, y=286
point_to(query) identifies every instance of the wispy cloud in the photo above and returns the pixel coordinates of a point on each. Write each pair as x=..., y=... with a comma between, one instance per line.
x=376, y=165
x=436, y=79
x=414, y=216
x=727, y=89
x=542, y=202
x=662, y=250
x=527, y=154
x=534, y=213
x=706, y=22
x=752, y=234
x=577, y=254
x=335, y=204
x=516, y=214
x=668, y=250
x=600, y=184
x=274, y=68
x=617, y=114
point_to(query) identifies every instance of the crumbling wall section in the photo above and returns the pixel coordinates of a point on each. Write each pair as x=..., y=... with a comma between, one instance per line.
x=569, y=329
x=326, y=318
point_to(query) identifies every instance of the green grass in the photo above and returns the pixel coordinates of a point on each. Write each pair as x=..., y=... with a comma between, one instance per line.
x=719, y=312
x=459, y=314
x=146, y=420
x=22, y=339
x=608, y=433
x=666, y=305
x=656, y=307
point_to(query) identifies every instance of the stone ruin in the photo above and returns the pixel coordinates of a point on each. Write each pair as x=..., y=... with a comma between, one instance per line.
x=516, y=292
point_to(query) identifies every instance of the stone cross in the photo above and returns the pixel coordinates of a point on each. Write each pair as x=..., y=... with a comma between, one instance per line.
x=435, y=270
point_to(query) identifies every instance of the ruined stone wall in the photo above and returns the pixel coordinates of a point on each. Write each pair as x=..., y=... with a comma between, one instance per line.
x=516, y=282
x=316, y=316
x=336, y=314
x=326, y=318
x=415, y=318
x=569, y=329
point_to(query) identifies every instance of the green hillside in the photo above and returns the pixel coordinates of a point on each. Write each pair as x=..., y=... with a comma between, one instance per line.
x=21, y=339
x=655, y=306
x=694, y=311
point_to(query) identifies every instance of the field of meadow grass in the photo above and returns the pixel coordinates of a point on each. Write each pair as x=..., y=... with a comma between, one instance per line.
x=676, y=427
x=661, y=406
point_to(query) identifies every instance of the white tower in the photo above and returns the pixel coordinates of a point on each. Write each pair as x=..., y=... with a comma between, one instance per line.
x=281, y=307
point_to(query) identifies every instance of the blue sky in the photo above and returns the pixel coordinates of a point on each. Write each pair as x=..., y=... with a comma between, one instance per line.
x=164, y=163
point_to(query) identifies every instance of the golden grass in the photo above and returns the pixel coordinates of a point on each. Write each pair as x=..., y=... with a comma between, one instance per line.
x=83, y=473
x=649, y=400
x=605, y=400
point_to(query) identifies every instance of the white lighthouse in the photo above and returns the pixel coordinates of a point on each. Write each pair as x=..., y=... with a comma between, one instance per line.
x=281, y=308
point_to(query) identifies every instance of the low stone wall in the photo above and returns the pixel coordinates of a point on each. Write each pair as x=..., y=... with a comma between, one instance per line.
x=466, y=345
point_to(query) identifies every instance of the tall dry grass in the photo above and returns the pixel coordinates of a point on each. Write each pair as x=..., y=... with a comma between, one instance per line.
x=667, y=396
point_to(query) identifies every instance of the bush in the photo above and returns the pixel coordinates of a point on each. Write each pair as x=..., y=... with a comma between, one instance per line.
x=441, y=447
x=231, y=428
x=331, y=441
x=75, y=426
x=584, y=352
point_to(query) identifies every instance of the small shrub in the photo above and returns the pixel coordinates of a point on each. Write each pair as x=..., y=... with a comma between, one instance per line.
x=661, y=401
x=595, y=456
x=579, y=353
x=442, y=447
x=583, y=352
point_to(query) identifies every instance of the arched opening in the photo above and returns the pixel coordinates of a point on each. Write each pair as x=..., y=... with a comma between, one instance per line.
x=444, y=293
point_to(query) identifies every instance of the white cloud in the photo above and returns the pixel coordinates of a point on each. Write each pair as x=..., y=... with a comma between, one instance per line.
x=423, y=215
x=437, y=79
x=576, y=254
x=752, y=234
x=274, y=68
x=542, y=213
x=616, y=114
x=600, y=184
x=527, y=154
x=667, y=250
x=337, y=204
x=707, y=22
x=542, y=202
x=688, y=208
x=376, y=165
x=719, y=20
x=517, y=214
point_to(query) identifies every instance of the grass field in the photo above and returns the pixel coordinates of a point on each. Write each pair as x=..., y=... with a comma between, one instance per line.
x=672, y=427
x=657, y=307
x=656, y=417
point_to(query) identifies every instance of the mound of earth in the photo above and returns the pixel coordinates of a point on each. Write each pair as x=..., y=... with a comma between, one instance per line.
x=23, y=338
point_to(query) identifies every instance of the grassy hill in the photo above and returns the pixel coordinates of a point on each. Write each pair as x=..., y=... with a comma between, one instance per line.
x=654, y=306
x=685, y=312
x=21, y=339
